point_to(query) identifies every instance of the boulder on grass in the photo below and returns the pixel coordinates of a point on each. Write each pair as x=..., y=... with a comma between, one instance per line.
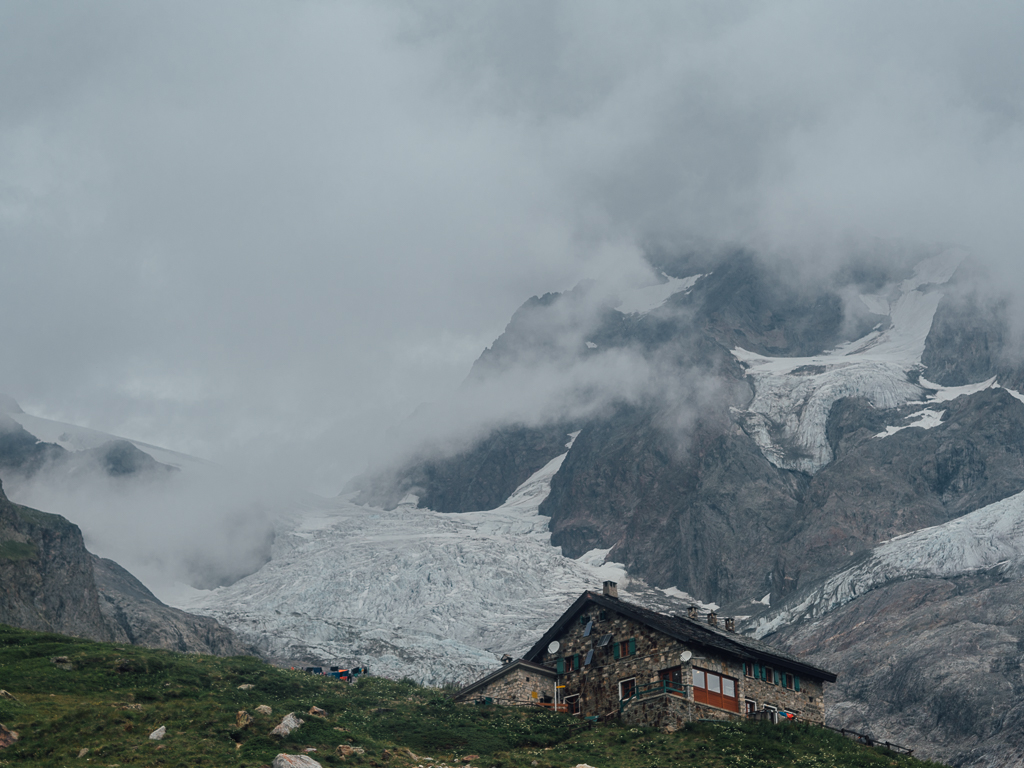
x=159, y=733
x=7, y=737
x=295, y=761
x=287, y=725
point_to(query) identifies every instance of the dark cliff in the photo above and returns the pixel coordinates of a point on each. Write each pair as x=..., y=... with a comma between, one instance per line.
x=51, y=582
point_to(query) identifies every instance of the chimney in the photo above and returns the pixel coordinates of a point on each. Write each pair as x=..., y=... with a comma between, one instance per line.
x=611, y=589
x=730, y=623
x=713, y=619
x=693, y=612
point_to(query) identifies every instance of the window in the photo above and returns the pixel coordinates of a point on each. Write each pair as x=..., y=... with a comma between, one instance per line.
x=769, y=675
x=627, y=688
x=603, y=642
x=588, y=629
x=626, y=648
x=590, y=658
x=750, y=706
x=572, y=704
x=773, y=713
x=715, y=689
x=789, y=681
x=748, y=668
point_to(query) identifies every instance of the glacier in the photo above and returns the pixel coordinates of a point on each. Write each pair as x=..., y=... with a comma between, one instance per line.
x=988, y=538
x=415, y=593
x=793, y=395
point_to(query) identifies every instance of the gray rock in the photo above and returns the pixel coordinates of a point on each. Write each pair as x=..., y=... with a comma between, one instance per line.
x=288, y=724
x=159, y=733
x=295, y=761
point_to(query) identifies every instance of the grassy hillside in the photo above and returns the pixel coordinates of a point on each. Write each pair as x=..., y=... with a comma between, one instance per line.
x=113, y=697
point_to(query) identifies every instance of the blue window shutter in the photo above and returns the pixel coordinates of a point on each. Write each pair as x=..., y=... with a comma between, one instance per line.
x=778, y=677
x=615, y=647
x=632, y=646
x=757, y=671
x=560, y=666
x=796, y=683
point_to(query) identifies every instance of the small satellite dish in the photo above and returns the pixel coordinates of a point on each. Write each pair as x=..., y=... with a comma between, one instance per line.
x=685, y=656
x=553, y=646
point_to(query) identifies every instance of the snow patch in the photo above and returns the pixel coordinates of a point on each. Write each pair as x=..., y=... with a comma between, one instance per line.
x=644, y=300
x=926, y=419
x=1015, y=393
x=945, y=394
x=689, y=599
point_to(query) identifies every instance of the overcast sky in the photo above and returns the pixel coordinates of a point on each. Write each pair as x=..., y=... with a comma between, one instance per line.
x=263, y=233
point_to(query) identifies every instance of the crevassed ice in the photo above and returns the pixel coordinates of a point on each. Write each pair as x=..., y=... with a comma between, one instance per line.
x=412, y=592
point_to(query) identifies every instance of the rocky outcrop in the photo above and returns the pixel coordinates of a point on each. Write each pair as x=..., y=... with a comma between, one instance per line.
x=930, y=663
x=480, y=476
x=53, y=583
x=139, y=618
x=47, y=575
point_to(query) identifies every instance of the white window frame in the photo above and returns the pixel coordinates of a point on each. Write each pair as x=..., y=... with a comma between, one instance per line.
x=623, y=682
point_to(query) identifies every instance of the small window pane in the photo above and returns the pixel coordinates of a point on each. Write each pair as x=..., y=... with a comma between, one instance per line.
x=728, y=688
x=713, y=682
x=698, y=679
x=605, y=639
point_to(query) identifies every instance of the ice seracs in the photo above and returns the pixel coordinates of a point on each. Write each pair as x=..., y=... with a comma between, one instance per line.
x=412, y=592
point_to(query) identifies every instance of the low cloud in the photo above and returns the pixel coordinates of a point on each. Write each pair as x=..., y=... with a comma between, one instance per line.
x=265, y=234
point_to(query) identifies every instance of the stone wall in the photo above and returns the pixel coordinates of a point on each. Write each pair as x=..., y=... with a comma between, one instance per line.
x=669, y=713
x=598, y=684
x=519, y=685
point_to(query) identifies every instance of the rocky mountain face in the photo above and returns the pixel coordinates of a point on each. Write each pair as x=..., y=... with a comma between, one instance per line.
x=51, y=582
x=786, y=431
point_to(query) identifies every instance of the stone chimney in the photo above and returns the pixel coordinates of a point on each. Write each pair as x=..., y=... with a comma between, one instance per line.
x=713, y=619
x=611, y=589
x=730, y=623
x=693, y=612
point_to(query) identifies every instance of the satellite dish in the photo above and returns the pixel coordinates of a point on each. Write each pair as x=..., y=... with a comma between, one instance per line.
x=553, y=646
x=685, y=656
